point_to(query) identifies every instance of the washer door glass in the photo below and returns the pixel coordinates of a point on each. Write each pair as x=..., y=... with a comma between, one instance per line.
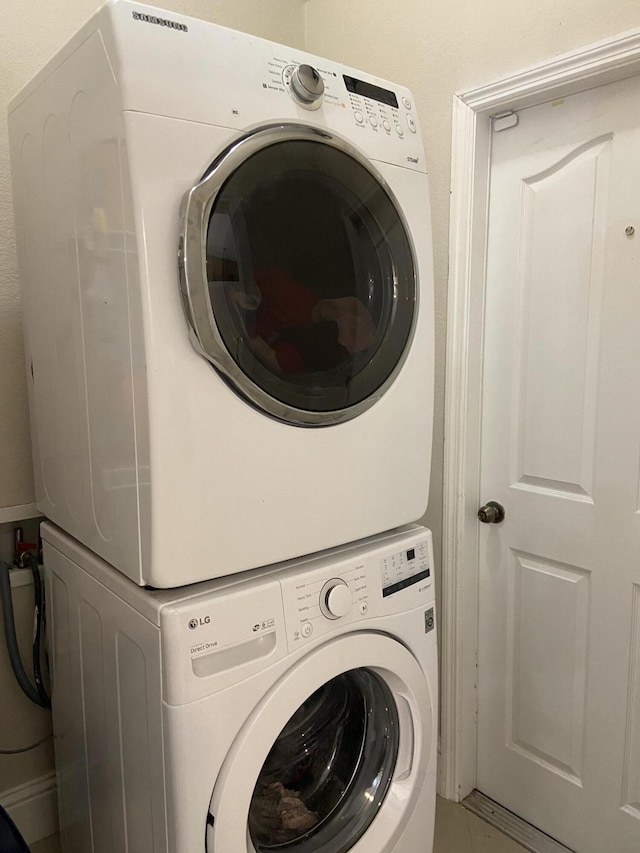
x=329, y=770
x=308, y=273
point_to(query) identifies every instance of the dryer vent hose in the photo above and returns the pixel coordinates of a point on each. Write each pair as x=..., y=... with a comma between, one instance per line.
x=37, y=694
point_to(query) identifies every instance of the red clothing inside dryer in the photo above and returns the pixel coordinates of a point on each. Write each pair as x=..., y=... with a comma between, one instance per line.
x=285, y=321
x=285, y=303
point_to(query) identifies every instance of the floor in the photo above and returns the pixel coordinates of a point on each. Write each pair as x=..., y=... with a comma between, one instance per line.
x=48, y=845
x=460, y=831
x=457, y=831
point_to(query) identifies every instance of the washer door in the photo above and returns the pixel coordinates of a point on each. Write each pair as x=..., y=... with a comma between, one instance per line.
x=297, y=275
x=332, y=759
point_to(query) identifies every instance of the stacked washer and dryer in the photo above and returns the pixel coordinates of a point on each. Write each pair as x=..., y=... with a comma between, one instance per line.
x=225, y=258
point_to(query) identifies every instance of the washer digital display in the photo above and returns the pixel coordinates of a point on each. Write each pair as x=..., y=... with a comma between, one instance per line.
x=405, y=569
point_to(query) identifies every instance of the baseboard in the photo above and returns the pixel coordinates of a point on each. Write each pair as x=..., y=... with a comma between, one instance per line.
x=33, y=807
x=9, y=514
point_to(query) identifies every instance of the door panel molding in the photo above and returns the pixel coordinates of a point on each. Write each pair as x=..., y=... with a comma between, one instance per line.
x=631, y=779
x=545, y=410
x=548, y=614
x=605, y=62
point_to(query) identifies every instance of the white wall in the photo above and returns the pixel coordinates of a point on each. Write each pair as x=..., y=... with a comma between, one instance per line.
x=31, y=34
x=441, y=47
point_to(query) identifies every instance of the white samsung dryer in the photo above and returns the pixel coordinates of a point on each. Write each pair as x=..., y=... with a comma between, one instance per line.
x=226, y=272
x=295, y=710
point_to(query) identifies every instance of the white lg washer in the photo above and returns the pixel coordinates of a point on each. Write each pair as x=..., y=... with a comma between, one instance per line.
x=226, y=272
x=294, y=710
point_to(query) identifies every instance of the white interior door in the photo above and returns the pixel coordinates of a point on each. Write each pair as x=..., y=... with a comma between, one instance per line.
x=559, y=606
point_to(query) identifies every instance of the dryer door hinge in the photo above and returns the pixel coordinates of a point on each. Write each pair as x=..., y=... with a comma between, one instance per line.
x=504, y=121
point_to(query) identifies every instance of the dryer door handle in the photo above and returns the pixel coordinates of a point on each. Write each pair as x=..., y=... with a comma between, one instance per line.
x=404, y=763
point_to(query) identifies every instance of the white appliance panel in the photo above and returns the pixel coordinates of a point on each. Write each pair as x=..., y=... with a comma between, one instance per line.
x=148, y=744
x=138, y=441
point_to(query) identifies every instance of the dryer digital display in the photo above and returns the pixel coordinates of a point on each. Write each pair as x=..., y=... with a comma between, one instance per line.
x=368, y=90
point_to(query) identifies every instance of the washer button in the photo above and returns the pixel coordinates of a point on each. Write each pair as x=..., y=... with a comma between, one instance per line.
x=359, y=117
x=306, y=629
x=373, y=121
x=407, y=103
x=411, y=124
x=399, y=130
x=386, y=126
x=364, y=607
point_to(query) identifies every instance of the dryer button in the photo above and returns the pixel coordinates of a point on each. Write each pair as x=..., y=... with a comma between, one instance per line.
x=307, y=85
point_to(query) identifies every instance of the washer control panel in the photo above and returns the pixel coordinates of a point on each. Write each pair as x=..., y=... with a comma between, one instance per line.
x=405, y=568
x=355, y=584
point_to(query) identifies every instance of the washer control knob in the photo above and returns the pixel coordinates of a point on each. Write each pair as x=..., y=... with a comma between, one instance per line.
x=335, y=599
x=307, y=85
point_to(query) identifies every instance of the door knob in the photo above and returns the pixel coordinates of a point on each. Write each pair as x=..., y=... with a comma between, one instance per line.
x=491, y=513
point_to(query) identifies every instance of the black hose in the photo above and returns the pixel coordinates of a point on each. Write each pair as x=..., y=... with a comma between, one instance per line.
x=22, y=749
x=38, y=636
x=12, y=642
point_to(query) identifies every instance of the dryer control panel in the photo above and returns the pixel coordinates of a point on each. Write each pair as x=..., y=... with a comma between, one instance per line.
x=356, y=585
x=376, y=115
x=239, y=82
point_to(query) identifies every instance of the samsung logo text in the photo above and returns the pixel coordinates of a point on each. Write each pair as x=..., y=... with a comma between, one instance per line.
x=161, y=22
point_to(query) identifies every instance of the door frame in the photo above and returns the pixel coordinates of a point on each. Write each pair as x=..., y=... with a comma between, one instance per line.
x=474, y=111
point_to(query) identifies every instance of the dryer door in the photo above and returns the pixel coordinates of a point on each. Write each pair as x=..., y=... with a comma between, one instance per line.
x=298, y=275
x=334, y=758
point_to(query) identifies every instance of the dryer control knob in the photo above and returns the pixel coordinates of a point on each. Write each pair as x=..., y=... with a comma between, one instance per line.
x=307, y=85
x=335, y=599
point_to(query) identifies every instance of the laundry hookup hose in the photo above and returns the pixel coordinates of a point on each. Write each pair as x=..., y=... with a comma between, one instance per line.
x=38, y=693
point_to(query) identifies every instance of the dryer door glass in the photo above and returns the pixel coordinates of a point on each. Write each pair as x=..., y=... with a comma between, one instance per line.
x=329, y=770
x=310, y=278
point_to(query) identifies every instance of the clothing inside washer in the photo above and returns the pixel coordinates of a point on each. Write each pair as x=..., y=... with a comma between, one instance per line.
x=329, y=770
